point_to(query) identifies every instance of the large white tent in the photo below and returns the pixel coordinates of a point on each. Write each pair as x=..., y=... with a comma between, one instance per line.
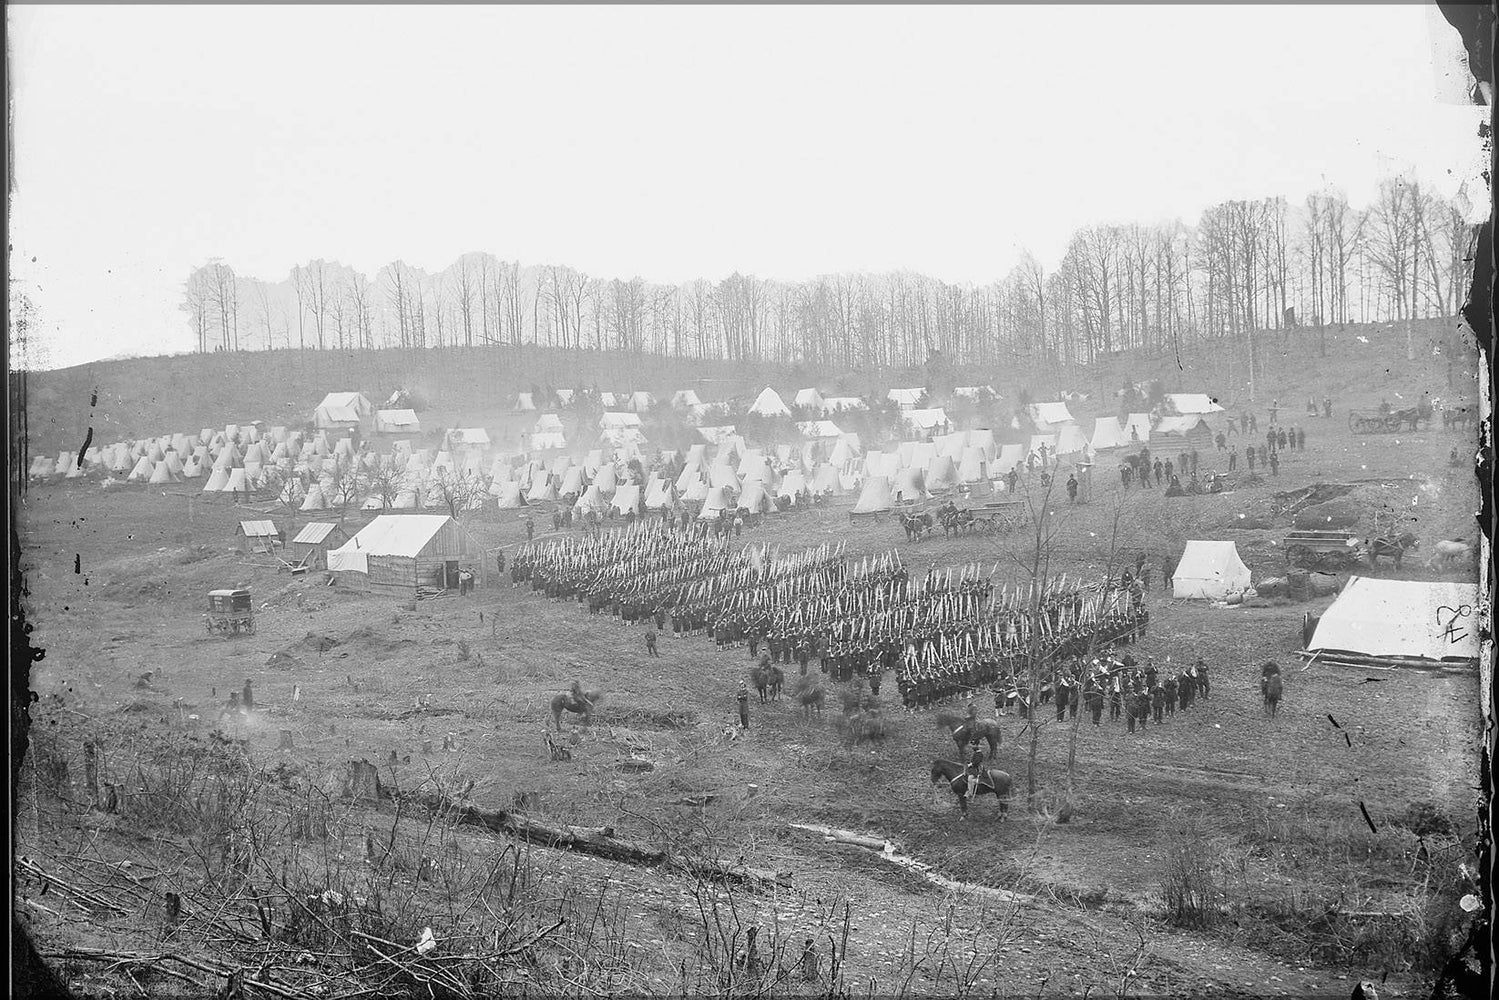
x=1401, y=619
x=1210, y=571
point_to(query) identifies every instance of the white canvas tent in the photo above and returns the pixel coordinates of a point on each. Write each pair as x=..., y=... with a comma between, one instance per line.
x=875, y=496
x=684, y=398
x=907, y=486
x=941, y=474
x=507, y=496
x=1400, y=619
x=755, y=499
x=1108, y=434
x=343, y=411
x=591, y=500
x=1209, y=571
x=825, y=478
x=819, y=429
x=396, y=422
x=1070, y=440
x=905, y=398
x=927, y=419
x=769, y=404
x=1049, y=414
x=1137, y=428
x=548, y=422
x=810, y=398
x=626, y=498
x=715, y=502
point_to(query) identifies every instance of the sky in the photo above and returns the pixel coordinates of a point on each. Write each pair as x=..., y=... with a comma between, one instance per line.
x=676, y=142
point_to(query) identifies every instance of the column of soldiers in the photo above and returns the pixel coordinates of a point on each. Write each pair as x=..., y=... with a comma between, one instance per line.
x=940, y=636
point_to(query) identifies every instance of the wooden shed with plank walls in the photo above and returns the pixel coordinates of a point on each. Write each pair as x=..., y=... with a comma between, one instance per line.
x=257, y=536
x=311, y=545
x=398, y=554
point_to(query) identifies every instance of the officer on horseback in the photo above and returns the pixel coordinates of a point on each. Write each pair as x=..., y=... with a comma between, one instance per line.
x=975, y=772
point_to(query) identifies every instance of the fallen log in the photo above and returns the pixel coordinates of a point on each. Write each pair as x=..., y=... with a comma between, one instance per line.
x=597, y=841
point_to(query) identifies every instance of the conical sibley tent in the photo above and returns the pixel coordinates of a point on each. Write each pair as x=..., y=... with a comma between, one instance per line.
x=1108, y=434
x=942, y=474
x=826, y=478
x=874, y=497
x=907, y=486
x=591, y=500
x=769, y=404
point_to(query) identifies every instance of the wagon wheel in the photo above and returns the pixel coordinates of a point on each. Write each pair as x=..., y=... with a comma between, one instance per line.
x=1294, y=554
x=250, y=626
x=1392, y=422
x=1355, y=422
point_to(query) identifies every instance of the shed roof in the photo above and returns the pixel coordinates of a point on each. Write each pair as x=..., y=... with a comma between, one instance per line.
x=314, y=533
x=397, y=534
x=259, y=529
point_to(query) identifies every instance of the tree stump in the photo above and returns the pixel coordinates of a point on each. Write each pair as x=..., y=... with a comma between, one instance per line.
x=362, y=781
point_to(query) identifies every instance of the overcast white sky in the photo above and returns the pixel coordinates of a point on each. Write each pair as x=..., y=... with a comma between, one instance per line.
x=674, y=142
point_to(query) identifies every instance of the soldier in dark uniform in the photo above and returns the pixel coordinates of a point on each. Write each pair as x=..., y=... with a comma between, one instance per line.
x=650, y=643
x=1158, y=703
x=1170, y=686
x=1094, y=699
x=1202, y=679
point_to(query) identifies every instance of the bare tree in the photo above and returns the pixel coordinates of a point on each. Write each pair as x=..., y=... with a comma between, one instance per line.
x=386, y=483
x=197, y=303
x=457, y=492
x=348, y=484
x=466, y=284
x=1034, y=557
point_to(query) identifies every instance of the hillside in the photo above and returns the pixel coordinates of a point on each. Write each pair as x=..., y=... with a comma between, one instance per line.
x=150, y=396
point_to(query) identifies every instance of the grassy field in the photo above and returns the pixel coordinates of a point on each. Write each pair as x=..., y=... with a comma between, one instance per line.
x=243, y=820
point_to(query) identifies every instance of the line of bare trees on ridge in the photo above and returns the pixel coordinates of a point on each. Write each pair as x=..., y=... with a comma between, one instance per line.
x=1245, y=266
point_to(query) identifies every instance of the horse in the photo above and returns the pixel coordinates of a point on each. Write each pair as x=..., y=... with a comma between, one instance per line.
x=916, y=525
x=1450, y=552
x=991, y=780
x=810, y=695
x=955, y=522
x=1395, y=548
x=767, y=677
x=966, y=731
x=566, y=702
x=943, y=773
x=1271, y=688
